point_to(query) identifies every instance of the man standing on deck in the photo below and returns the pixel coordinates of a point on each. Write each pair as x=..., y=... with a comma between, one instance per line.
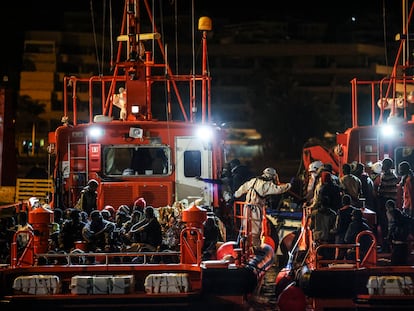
x=87, y=201
x=257, y=190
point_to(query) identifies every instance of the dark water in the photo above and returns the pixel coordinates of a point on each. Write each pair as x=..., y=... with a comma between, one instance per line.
x=265, y=300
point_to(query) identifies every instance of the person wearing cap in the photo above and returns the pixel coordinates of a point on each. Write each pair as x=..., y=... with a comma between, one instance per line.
x=139, y=204
x=375, y=176
x=312, y=180
x=23, y=230
x=257, y=190
x=111, y=211
x=376, y=170
x=122, y=215
x=327, y=167
x=326, y=188
x=88, y=198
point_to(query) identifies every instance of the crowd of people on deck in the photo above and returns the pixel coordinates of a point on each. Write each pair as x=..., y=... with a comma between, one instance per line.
x=338, y=206
x=334, y=204
x=106, y=230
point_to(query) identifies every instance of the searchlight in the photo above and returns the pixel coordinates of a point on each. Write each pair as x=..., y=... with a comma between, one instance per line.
x=96, y=132
x=388, y=131
x=205, y=133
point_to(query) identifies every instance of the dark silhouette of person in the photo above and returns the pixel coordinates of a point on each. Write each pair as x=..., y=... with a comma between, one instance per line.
x=343, y=219
x=357, y=225
x=387, y=190
x=87, y=200
x=71, y=231
x=211, y=237
x=368, y=188
x=98, y=233
x=407, y=187
x=322, y=223
x=327, y=188
x=400, y=226
x=351, y=184
x=239, y=174
x=148, y=232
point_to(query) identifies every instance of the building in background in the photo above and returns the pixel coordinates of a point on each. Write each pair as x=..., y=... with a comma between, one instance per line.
x=238, y=54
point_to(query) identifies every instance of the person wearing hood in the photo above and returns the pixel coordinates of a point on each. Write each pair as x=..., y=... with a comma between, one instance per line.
x=312, y=180
x=257, y=190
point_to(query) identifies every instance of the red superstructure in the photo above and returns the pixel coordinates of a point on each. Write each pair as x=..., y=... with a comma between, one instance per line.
x=115, y=137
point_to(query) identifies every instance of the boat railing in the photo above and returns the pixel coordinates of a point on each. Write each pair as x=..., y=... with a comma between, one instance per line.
x=391, y=96
x=33, y=252
x=393, y=93
x=243, y=220
x=22, y=254
x=361, y=259
x=77, y=257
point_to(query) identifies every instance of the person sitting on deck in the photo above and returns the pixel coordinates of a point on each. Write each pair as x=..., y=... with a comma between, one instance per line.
x=71, y=231
x=98, y=233
x=343, y=219
x=357, y=225
x=147, y=233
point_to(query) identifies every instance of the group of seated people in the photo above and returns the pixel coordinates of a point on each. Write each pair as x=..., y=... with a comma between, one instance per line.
x=118, y=231
x=140, y=229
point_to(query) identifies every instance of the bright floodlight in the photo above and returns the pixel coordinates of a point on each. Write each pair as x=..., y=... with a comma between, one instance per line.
x=135, y=109
x=96, y=132
x=387, y=130
x=205, y=133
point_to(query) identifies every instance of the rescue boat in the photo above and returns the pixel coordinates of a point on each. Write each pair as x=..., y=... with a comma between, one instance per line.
x=369, y=281
x=122, y=109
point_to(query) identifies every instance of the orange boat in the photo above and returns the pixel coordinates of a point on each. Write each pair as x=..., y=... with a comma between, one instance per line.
x=369, y=281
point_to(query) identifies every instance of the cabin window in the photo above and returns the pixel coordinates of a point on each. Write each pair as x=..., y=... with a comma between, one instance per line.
x=404, y=154
x=136, y=160
x=192, y=163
